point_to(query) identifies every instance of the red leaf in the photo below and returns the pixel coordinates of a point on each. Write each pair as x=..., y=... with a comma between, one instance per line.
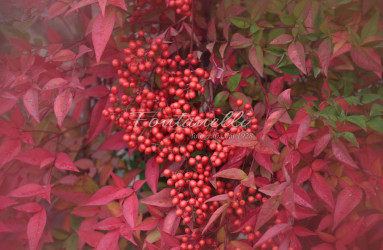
x=271, y=120
x=55, y=83
x=56, y=9
x=215, y=216
x=97, y=91
x=267, y=211
x=362, y=58
x=282, y=39
x=322, y=189
x=171, y=222
x=324, y=53
x=239, y=40
x=6, y=202
x=92, y=238
x=152, y=173
x=231, y=173
x=302, y=231
x=256, y=59
x=35, y=228
x=318, y=164
x=160, y=199
x=8, y=101
x=243, y=139
x=36, y=157
x=341, y=154
x=220, y=197
x=64, y=55
x=8, y=150
x=130, y=210
x=109, y=241
x=211, y=30
x=296, y=53
x=64, y=162
x=138, y=184
x=52, y=35
x=62, y=105
x=169, y=240
x=118, y=3
x=148, y=224
x=102, y=30
x=118, y=181
x=273, y=231
x=107, y=194
x=97, y=121
x=302, y=129
x=326, y=91
x=285, y=98
x=31, y=103
x=292, y=159
x=27, y=190
x=301, y=197
x=347, y=200
x=322, y=144
x=276, y=86
x=80, y=4
x=303, y=175
x=264, y=160
x=31, y=207
x=102, y=4
x=114, y=142
x=82, y=50
x=108, y=224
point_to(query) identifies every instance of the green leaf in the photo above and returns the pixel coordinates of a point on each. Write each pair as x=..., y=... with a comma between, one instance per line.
x=348, y=88
x=290, y=69
x=371, y=27
x=254, y=28
x=350, y=137
x=376, y=109
x=233, y=82
x=359, y=120
x=221, y=98
x=352, y=100
x=329, y=113
x=332, y=124
x=287, y=20
x=240, y=22
x=376, y=123
x=275, y=51
x=368, y=98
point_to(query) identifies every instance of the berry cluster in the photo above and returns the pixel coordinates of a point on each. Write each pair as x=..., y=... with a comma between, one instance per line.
x=157, y=102
x=145, y=7
x=182, y=6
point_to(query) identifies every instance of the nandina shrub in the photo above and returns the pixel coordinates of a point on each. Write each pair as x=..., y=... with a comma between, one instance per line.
x=191, y=124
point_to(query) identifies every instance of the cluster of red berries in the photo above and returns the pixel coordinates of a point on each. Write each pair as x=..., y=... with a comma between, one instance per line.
x=149, y=111
x=190, y=192
x=145, y=7
x=157, y=102
x=193, y=240
x=182, y=6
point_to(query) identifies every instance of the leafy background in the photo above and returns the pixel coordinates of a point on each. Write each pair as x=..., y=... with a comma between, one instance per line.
x=311, y=70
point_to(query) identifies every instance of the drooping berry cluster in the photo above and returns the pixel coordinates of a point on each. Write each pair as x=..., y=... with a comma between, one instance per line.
x=159, y=103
